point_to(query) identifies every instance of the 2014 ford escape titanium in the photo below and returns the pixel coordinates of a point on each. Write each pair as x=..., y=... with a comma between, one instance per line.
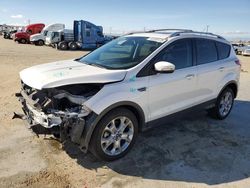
x=102, y=100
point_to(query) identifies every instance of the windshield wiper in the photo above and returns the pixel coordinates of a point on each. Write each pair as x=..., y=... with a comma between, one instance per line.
x=77, y=59
x=96, y=65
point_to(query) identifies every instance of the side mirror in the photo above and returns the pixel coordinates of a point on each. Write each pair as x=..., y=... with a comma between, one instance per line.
x=164, y=67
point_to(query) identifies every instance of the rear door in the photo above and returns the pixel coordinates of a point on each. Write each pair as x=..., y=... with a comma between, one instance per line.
x=210, y=67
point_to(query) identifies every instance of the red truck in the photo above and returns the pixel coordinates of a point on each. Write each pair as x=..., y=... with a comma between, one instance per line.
x=24, y=36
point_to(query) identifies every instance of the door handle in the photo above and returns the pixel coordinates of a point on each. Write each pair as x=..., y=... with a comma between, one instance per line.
x=142, y=89
x=221, y=69
x=189, y=76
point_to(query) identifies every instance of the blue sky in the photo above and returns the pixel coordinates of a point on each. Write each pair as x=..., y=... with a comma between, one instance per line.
x=226, y=17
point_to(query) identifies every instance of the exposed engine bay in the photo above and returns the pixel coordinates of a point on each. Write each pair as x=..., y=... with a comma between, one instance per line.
x=60, y=109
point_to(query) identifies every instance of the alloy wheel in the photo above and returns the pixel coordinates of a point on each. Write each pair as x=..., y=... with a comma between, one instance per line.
x=226, y=103
x=117, y=136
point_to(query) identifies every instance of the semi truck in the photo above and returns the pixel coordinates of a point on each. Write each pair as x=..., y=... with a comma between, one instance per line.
x=55, y=37
x=86, y=35
x=39, y=38
x=24, y=36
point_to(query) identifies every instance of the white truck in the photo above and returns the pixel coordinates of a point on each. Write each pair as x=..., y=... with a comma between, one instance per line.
x=53, y=38
x=39, y=38
x=239, y=48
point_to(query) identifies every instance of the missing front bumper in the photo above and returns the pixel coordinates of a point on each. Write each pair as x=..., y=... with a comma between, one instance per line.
x=73, y=126
x=34, y=116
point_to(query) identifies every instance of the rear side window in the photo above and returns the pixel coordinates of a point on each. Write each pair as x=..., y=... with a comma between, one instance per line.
x=206, y=51
x=223, y=50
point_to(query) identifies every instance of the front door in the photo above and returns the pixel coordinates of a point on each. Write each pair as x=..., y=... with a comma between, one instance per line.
x=172, y=92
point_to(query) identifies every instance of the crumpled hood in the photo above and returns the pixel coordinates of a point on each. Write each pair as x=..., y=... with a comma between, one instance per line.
x=68, y=72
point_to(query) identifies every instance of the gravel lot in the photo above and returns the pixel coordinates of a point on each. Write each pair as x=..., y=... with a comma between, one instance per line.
x=193, y=151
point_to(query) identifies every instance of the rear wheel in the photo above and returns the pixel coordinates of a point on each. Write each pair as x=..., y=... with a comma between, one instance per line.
x=73, y=46
x=63, y=46
x=223, y=105
x=114, y=135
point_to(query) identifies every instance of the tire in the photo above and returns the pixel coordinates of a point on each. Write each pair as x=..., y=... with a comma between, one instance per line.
x=56, y=135
x=22, y=41
x=217, y=112
x=40, y=43
x=63, y=46
x=124, y=136
x=98, y=45
x=73, y=46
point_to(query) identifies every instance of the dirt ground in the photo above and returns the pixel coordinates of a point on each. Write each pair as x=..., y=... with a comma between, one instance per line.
x=193, y=151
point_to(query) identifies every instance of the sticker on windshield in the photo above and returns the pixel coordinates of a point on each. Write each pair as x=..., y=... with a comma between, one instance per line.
x=156, y=39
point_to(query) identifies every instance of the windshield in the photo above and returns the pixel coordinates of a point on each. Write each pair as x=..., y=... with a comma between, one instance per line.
x=122, y=53
x=49, y=33
x=25, y=29
x=45, y=32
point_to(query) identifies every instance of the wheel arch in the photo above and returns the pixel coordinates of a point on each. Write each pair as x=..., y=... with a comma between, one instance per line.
x=233, y=85
x=95, y=118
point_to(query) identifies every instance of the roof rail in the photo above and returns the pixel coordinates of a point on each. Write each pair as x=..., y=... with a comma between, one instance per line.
x=196, y=32
x=156, y=30
x=179, y=32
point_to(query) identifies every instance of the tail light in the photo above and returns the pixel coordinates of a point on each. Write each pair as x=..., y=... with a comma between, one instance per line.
x=237, y=62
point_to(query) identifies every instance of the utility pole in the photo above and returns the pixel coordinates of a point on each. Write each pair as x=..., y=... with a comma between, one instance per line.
x=110, y=30
x=207, y=28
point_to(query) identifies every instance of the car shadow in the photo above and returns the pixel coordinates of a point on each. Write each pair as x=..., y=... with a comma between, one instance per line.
x=192, y=148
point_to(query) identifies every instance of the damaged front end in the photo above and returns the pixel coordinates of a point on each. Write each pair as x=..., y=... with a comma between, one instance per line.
x=60, y=109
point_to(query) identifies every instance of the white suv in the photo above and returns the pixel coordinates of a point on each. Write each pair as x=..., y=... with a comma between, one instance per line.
x=102, y=100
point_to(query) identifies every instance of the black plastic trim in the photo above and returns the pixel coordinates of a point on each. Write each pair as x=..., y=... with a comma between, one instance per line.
x=93, y=119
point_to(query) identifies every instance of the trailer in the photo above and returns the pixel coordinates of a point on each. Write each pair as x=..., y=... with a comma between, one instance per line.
x=86, y=35
x=39, y=38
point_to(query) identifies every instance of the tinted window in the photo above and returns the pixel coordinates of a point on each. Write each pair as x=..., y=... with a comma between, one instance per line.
x=206, y=51
x=29, y=31
x=99, y=33
x=179, y=53
x=223, y=50
x=88, y=33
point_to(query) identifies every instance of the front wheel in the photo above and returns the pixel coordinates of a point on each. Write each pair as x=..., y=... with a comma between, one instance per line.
x=114, y=135
x=22, y=41
x=40, y=43
x=223, y=105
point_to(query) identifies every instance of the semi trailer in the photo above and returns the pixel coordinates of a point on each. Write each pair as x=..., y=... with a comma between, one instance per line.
x=24, y=36
x=86, y=35
x=39, y=38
